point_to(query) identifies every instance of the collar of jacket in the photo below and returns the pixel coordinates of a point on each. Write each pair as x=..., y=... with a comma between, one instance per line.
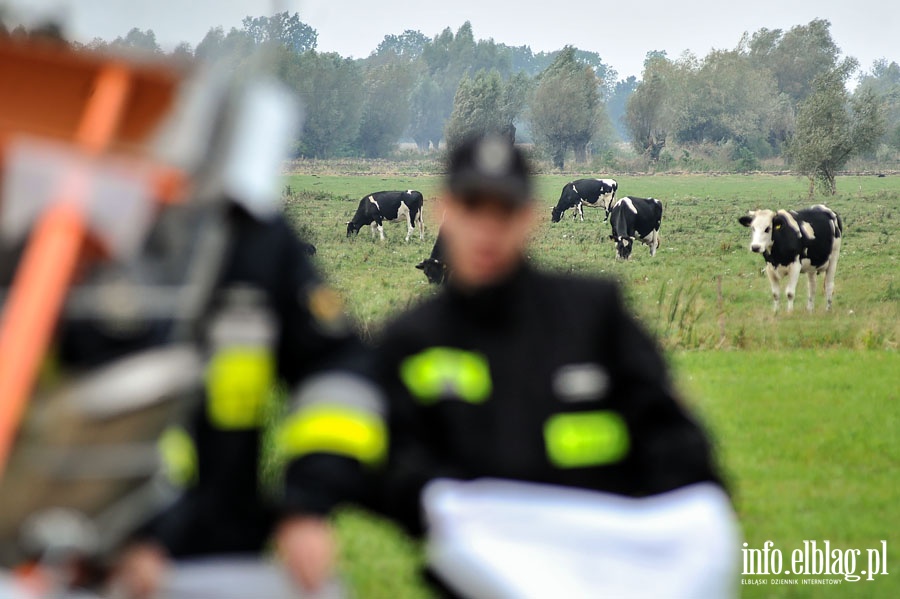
x=496, y=303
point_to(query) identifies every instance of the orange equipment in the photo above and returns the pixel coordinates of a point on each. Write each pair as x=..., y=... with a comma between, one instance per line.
x=100, y=107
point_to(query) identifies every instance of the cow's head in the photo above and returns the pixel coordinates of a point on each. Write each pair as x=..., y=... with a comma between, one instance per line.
x=351, y=228
x=555, y=215
x=624, y=245
x=435, y=270
x=763, y=224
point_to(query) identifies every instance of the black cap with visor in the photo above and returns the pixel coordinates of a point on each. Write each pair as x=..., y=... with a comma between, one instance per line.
x=489, y=166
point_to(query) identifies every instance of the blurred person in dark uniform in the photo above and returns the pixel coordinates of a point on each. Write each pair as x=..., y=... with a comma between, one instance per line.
x=216, y=282
x=536, y=439
x=270, y=320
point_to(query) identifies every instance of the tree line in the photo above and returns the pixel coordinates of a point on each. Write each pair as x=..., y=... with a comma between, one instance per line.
x=777, y=95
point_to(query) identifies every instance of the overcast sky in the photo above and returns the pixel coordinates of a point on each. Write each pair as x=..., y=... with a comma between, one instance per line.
x=621, y=32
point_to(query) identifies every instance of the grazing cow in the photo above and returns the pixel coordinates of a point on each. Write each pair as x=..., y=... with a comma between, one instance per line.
x=635, y=218
x=391, y=206
x=793, y=242
x=585, y=192
x=435, y=266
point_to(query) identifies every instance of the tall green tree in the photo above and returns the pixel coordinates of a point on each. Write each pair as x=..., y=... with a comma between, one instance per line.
x=386, y=110
x=884, y=81
x=183, y=52
x=726, y=99
x=329, y=87
x=446, y=59
x=485, y=103
x=283, y=28
x=832, y=127
x=566, y=107
x=649, y=113
x=135, y=39
x=795, y=57
x=409, y=45
x=427, y=113
x=231, y=48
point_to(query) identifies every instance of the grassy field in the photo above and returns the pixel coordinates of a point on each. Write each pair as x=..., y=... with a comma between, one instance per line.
x=804, y=407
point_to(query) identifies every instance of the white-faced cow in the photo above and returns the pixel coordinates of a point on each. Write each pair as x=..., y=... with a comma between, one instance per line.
x=596, y=193
x=635, y=219
x=793, y=242
x=435, y=266
x=391, y=206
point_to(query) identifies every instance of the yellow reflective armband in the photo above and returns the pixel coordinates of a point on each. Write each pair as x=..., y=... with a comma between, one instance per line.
x=238, y=381
x=584, y=439
x=330, y=429
x=178, y=456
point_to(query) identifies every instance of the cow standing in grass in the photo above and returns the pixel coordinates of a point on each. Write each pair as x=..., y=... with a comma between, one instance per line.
x=595, y=193
x=635, y=219
x=391, y=206
x=794, y=242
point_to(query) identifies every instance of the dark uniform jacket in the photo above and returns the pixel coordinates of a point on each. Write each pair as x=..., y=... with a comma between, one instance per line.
x=543, y=378
x=271, y=320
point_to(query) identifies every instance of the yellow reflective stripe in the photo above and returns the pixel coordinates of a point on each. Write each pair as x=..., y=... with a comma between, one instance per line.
x=582, y=439
x=329, y=429
x=178, y=455
x=238, y=380
x=445, y=371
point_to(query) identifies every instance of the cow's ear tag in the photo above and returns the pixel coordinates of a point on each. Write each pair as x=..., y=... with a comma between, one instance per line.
x=778, y=226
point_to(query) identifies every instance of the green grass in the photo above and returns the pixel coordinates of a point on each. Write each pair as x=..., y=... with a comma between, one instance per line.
x=701, y=243
x=804, y=407
x=810, y=446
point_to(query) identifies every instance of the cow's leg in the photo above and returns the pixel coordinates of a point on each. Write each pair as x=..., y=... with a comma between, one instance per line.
x=793, y=279
x=811, y=278
x=581, y=211
x=775, y=286
x=654, y=243
x=421, y=222
x=829, y=272
x=374, y=226
x=409, y=227
x=381, y=231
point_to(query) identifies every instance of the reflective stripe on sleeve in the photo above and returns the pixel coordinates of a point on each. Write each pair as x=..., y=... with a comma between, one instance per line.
x=238, y=382
x=178, y=455
x=333, y=429
x=339, y=413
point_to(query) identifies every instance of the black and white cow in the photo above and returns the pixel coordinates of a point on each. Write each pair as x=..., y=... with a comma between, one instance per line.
x=635, y=218
x=391, y=206
x=435, y=266
x=596, y=193
x=793, y=242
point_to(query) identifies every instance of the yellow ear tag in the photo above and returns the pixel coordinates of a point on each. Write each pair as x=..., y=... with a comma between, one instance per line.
x=778, y=226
